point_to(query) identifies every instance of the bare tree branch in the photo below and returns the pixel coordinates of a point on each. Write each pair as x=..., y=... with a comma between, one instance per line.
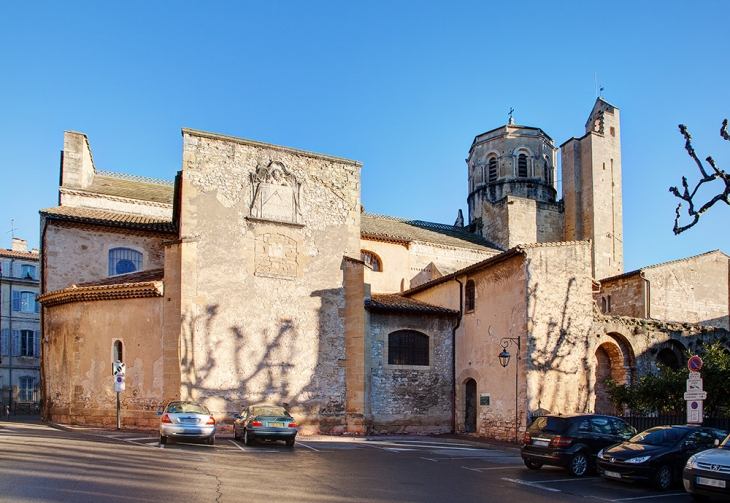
x=707, y=177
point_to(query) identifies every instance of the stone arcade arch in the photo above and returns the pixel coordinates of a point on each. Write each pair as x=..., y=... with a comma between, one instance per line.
x=670, y=354
x=615, y=361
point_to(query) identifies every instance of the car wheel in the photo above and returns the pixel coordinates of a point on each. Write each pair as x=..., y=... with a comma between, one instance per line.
x=247, y=438
x=532, y=465
x=235, y=434
x=663, y=478
x=290, y=442
x=163, y=439
x=578, y=465
x=211, y=440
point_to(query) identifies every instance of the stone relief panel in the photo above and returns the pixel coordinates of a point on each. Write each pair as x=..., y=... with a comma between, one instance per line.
x=275, y=256
x=275, y=194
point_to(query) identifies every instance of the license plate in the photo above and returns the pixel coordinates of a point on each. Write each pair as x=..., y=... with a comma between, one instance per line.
x=188, y=420
x=541, y=443
x=613, y=475
x=276, y=425
x=710, y=482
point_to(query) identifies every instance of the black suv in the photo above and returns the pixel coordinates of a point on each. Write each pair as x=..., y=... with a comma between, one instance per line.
x=572, y=441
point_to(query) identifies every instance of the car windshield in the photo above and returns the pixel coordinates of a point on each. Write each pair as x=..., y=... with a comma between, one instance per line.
x=269, y=411
x=665, y=437
x=186, y=408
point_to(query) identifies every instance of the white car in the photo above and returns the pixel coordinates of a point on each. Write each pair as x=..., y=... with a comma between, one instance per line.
x=186, y=420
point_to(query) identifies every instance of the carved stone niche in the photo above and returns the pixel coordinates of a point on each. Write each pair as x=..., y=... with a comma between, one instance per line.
x=276, y=194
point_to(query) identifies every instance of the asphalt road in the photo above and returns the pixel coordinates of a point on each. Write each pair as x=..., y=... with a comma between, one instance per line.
x=39, y=463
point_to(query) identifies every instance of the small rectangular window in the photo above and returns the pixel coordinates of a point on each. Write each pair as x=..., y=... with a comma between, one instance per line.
x=613, y=131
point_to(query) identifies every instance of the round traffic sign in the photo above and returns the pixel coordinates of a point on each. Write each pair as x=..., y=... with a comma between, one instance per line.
x=694, y=364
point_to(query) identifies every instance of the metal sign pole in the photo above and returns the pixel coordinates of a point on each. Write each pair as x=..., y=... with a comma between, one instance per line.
x=119, y=423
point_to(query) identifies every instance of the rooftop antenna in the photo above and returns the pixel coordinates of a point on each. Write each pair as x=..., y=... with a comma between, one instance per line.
x=599, y=89
x=511, y=120
x=12, y=228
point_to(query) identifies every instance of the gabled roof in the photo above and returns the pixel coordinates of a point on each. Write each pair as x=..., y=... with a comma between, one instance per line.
x=403, y=230
x=495, y=259
x=661, y=264
x=130, y=187
x=394, y=302
x=108, y=219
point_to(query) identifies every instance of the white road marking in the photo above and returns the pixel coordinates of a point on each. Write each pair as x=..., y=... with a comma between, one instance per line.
x=489, y=468
x=651, y=496
x=308, y=447
x=533, y=484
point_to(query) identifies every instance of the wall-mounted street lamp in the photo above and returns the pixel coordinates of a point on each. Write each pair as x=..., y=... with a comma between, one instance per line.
x=504, y=357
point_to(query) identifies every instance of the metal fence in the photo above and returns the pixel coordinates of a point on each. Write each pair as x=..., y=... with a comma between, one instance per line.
x=642, y=423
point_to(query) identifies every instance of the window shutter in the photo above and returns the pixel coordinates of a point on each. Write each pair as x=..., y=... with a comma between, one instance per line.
x=16, y=300
x=37, y=344
x=4, y=342
x=16, y=343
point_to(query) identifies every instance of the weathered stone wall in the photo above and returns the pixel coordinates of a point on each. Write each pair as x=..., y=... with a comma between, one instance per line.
x=623, y=296
x=411, y=399
x=75, y=255
x=265, y=230
x=78, y=354
x=559, y=314
x=692, y=290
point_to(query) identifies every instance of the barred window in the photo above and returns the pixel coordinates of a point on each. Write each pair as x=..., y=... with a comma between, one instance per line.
x=372, y=260
x=469, y=296
x=124, y=260
x=407, y=347
x=493, y=169
x=522, y=166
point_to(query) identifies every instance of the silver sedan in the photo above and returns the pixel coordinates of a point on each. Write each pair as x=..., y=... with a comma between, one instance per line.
x=186, y=420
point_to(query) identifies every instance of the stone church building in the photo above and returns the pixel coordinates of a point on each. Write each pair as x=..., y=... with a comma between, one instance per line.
x=257, y=276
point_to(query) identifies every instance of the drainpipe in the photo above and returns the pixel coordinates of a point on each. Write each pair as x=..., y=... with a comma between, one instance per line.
x=453, y=356
x=647, y=295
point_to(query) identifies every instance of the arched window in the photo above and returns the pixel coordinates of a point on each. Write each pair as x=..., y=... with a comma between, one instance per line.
x=522, y=166
x=372, y=260
x=469, y=296
x=124, y=260
x=493, y=169
x=548, y=173
x=118, y=351
x=407, y=347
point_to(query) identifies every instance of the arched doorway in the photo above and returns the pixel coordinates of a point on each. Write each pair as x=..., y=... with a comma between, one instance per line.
x=470, y=406
x=609, y=365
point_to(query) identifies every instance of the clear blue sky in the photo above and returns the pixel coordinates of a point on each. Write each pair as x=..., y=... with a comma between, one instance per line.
x=403, y=87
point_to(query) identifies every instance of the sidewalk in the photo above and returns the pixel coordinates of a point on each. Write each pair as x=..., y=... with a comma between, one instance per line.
x=126, y=432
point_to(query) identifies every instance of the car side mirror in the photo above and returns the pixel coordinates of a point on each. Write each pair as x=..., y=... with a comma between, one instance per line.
x=235, y=415
x=159, y=413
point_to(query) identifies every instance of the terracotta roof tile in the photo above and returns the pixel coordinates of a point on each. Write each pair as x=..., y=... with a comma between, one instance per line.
x=108, y=218
x=20, y=255
x=402, y=229
x=393, y=302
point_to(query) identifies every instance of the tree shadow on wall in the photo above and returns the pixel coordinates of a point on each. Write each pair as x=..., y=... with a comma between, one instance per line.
x=556, y=354
x=261, y=366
